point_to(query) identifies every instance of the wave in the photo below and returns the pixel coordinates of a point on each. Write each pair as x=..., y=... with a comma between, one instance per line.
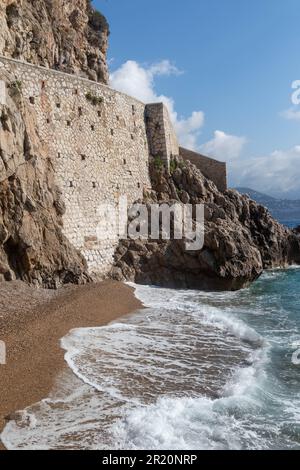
x=191, y=371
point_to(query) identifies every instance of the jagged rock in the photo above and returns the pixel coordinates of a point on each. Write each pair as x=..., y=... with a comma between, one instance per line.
x=241, y=238
x=32, y=245
x=66, y=35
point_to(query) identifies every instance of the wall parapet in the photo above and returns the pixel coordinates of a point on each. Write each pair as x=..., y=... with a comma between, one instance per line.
x=74, y=78
x=212, y=169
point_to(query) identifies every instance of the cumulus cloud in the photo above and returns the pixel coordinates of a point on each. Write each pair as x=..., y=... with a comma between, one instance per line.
x=277, y=173
x=224, y=146
x=139, y=81
x=292, y=114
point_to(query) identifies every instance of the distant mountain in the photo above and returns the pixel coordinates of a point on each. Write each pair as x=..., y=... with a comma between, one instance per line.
x=285, y=210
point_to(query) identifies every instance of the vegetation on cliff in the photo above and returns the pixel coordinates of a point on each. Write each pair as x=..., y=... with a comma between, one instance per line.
x=67, y=35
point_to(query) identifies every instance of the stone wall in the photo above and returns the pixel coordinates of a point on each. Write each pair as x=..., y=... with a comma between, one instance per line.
x=161, y=136
x=212, y=169
x=97, y=141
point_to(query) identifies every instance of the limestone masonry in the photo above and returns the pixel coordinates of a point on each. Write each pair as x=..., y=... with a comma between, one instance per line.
x=100, y=142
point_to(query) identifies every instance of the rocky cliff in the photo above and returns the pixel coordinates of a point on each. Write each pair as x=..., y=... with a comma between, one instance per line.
x=32, y=245
x=241, y=237
x=67, y=35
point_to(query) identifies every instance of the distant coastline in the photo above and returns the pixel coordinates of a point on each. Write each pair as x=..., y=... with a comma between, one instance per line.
x=286, y=211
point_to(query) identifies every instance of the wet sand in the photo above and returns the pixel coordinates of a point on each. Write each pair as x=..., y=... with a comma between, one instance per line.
x=32, y=322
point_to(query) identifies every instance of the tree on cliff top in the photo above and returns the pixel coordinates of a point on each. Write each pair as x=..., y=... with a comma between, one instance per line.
x=96, y=20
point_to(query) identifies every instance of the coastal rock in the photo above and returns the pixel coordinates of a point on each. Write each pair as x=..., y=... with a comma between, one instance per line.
x=241, y=238
x=32, y=245
x=66, y=35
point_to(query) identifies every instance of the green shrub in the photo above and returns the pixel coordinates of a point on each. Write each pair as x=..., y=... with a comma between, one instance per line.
x=16, y=86
x=94, y=99
x=97, y=21
x=173, y=165
x=158, y=162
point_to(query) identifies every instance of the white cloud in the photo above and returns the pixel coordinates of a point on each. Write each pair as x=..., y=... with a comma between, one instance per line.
x=138, y=81
x=224, y=146
x=277, y=173
x=292, y=114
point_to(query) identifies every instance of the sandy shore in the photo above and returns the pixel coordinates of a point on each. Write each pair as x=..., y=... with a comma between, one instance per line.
x=32, y=322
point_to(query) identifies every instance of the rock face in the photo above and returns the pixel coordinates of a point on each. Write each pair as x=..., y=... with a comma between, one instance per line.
x=241, y=238
x=67, y=35
x=32, y=245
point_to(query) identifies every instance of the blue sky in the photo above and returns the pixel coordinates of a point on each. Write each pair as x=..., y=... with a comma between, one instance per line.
x=235, y=60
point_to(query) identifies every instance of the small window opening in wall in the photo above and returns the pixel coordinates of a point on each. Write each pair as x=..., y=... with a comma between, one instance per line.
x=58, y=105
x=83, y=157
x=43, y=84
x=92, y=127
x=94, y=184
x=31, y=100
x=99, y=113
x=104, y=159
x=124, y=161
x=139, y=185
x=118, y=118
x=132, y=137
x=112, y=132
x=80, y=111
x=48, y=121
x=133, y=109
x=75, y=91
x=59, y=155
x=68, y=123
x=71, y=184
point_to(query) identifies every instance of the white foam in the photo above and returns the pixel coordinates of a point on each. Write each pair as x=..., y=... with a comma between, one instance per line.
x=186, y=373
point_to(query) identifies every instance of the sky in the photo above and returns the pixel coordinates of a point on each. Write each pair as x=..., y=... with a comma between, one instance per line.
x=225, y=69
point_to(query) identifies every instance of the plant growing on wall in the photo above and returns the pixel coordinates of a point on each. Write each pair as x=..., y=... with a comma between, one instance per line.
x=173, y=165
x=94, y=99
x=158, y=162
x=16, y=87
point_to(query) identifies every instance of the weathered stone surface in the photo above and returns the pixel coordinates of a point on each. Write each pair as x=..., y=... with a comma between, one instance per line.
x=97, y=145
x=32, y=245
x=68, y=145
x=241, y=238
x=67, y=35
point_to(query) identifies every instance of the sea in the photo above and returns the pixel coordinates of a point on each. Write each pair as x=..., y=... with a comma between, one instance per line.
x=193, y=370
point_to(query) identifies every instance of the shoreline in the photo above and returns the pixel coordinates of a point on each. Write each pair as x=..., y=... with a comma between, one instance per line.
x=32, y=323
